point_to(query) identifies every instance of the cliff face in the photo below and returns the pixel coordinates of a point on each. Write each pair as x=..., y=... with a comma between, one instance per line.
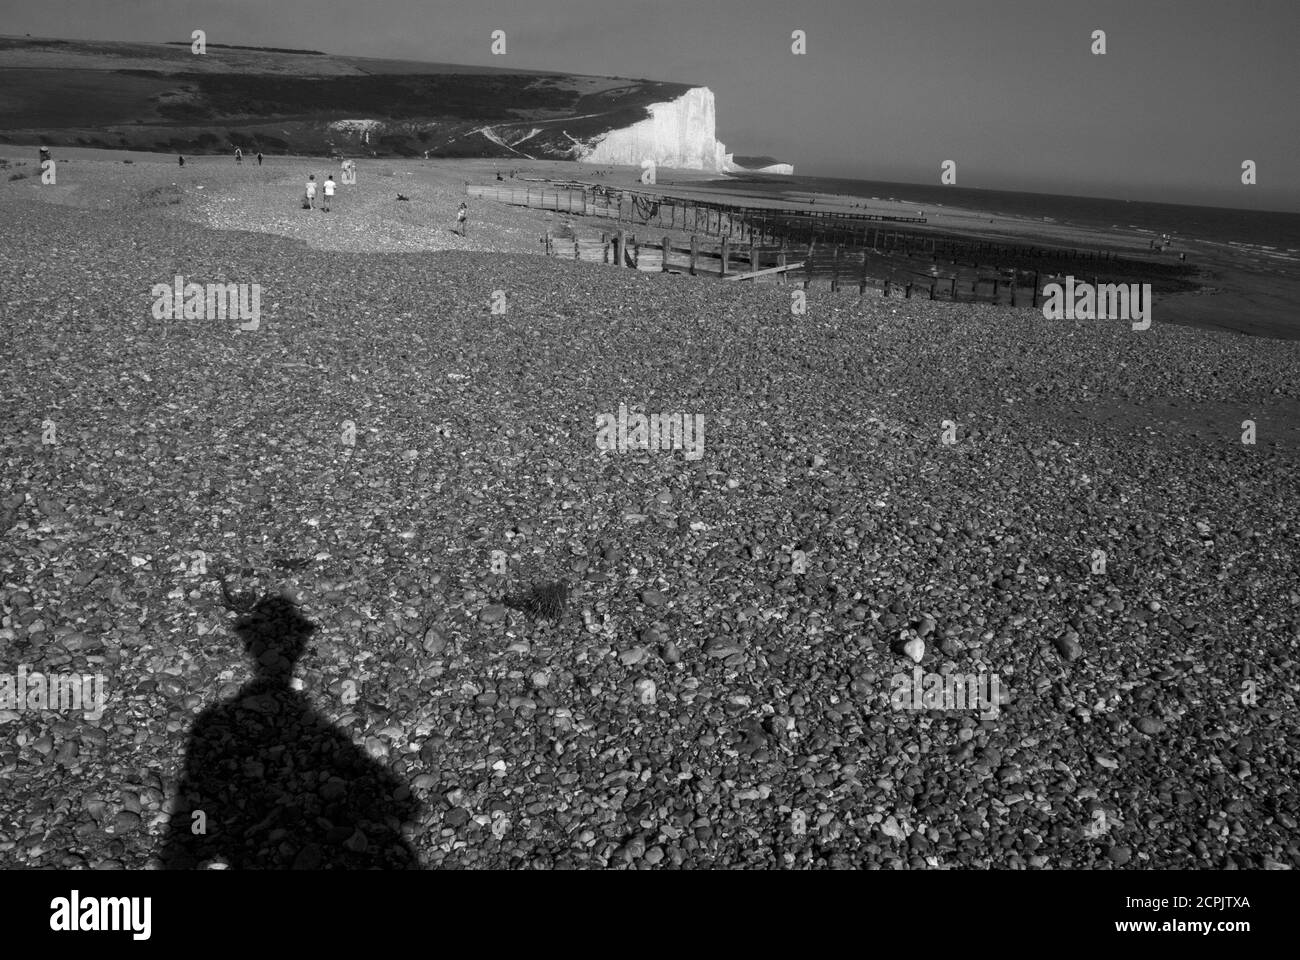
x=678, y=133
x=161, y=97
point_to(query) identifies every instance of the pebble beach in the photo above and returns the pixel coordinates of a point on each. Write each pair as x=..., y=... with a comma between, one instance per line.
x=880, y=478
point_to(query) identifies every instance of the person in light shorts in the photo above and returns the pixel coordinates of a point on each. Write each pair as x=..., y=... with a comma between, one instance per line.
x=329, y=192
x=311, y=192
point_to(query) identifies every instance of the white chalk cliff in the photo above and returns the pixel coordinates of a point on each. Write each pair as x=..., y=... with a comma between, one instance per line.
x=678, y=133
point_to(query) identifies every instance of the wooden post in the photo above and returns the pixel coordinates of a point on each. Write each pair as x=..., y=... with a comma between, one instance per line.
x=1035, y=288
x=695, y=251
x=723, y=271
x=862, y=282
x=636, y=254
x=667, y=247
x=547, y=240
x=909, y=291
x=620, y=245
x=835, y=270
x=575, y=248
x=952, y=292
x=753, y=254
x=780, y=262
x=888, y=289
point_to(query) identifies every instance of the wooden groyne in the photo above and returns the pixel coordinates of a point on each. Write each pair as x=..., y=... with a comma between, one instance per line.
x=842, y=268
x=741, y=223
x=845, y=250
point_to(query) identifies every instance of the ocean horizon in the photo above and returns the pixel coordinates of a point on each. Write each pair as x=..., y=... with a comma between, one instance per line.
x=1270, y=231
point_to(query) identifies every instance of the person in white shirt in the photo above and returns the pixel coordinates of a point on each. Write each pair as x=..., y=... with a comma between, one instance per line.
x=329, y=191
x=311, y=192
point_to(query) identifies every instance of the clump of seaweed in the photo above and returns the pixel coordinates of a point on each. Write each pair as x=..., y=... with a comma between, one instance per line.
x=546, y=601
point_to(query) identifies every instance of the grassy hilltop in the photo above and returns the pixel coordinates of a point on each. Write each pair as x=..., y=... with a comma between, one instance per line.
x=150, y=96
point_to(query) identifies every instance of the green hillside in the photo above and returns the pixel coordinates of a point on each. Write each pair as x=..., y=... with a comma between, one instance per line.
x=145, y=96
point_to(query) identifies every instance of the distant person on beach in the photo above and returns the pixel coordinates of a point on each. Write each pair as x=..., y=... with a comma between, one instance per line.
x=259, y=158
x=311, y=193
x=462, y=216
x=329, y=191
x=239, y=155
x=45, y=154
x=180, y=160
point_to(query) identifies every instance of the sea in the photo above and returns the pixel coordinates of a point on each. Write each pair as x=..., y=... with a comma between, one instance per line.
x=1268, y=234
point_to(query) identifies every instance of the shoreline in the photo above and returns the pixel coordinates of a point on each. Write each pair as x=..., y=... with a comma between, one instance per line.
x=1242, y=291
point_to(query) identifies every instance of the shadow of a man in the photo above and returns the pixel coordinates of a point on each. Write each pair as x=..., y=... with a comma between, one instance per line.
x=278, y=786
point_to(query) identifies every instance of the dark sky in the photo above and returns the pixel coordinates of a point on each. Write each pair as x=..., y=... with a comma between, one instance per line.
x=888, y=90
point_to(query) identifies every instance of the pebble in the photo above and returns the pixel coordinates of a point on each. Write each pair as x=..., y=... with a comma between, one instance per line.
x=1067, y=645
x=645, y=691
x=914, y=649
x=653, y=598
x=671, y=653
x=434, y=641
x=1120, y=855
x=1151, y=726
x=632, y=656
x=493, y=613
x=722, y=648
x=125, y=821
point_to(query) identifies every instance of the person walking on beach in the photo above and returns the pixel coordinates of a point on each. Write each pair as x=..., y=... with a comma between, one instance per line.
x=329, y=192
x=462, y=215
x=180, y=159
x=239, y=155
x=311, y=192
x=259, y=158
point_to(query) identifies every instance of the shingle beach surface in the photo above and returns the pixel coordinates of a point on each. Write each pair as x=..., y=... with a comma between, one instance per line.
x=699, y=701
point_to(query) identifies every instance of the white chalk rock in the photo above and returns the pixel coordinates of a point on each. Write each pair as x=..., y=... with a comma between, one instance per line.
x=645, y=691
x=915, y=648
